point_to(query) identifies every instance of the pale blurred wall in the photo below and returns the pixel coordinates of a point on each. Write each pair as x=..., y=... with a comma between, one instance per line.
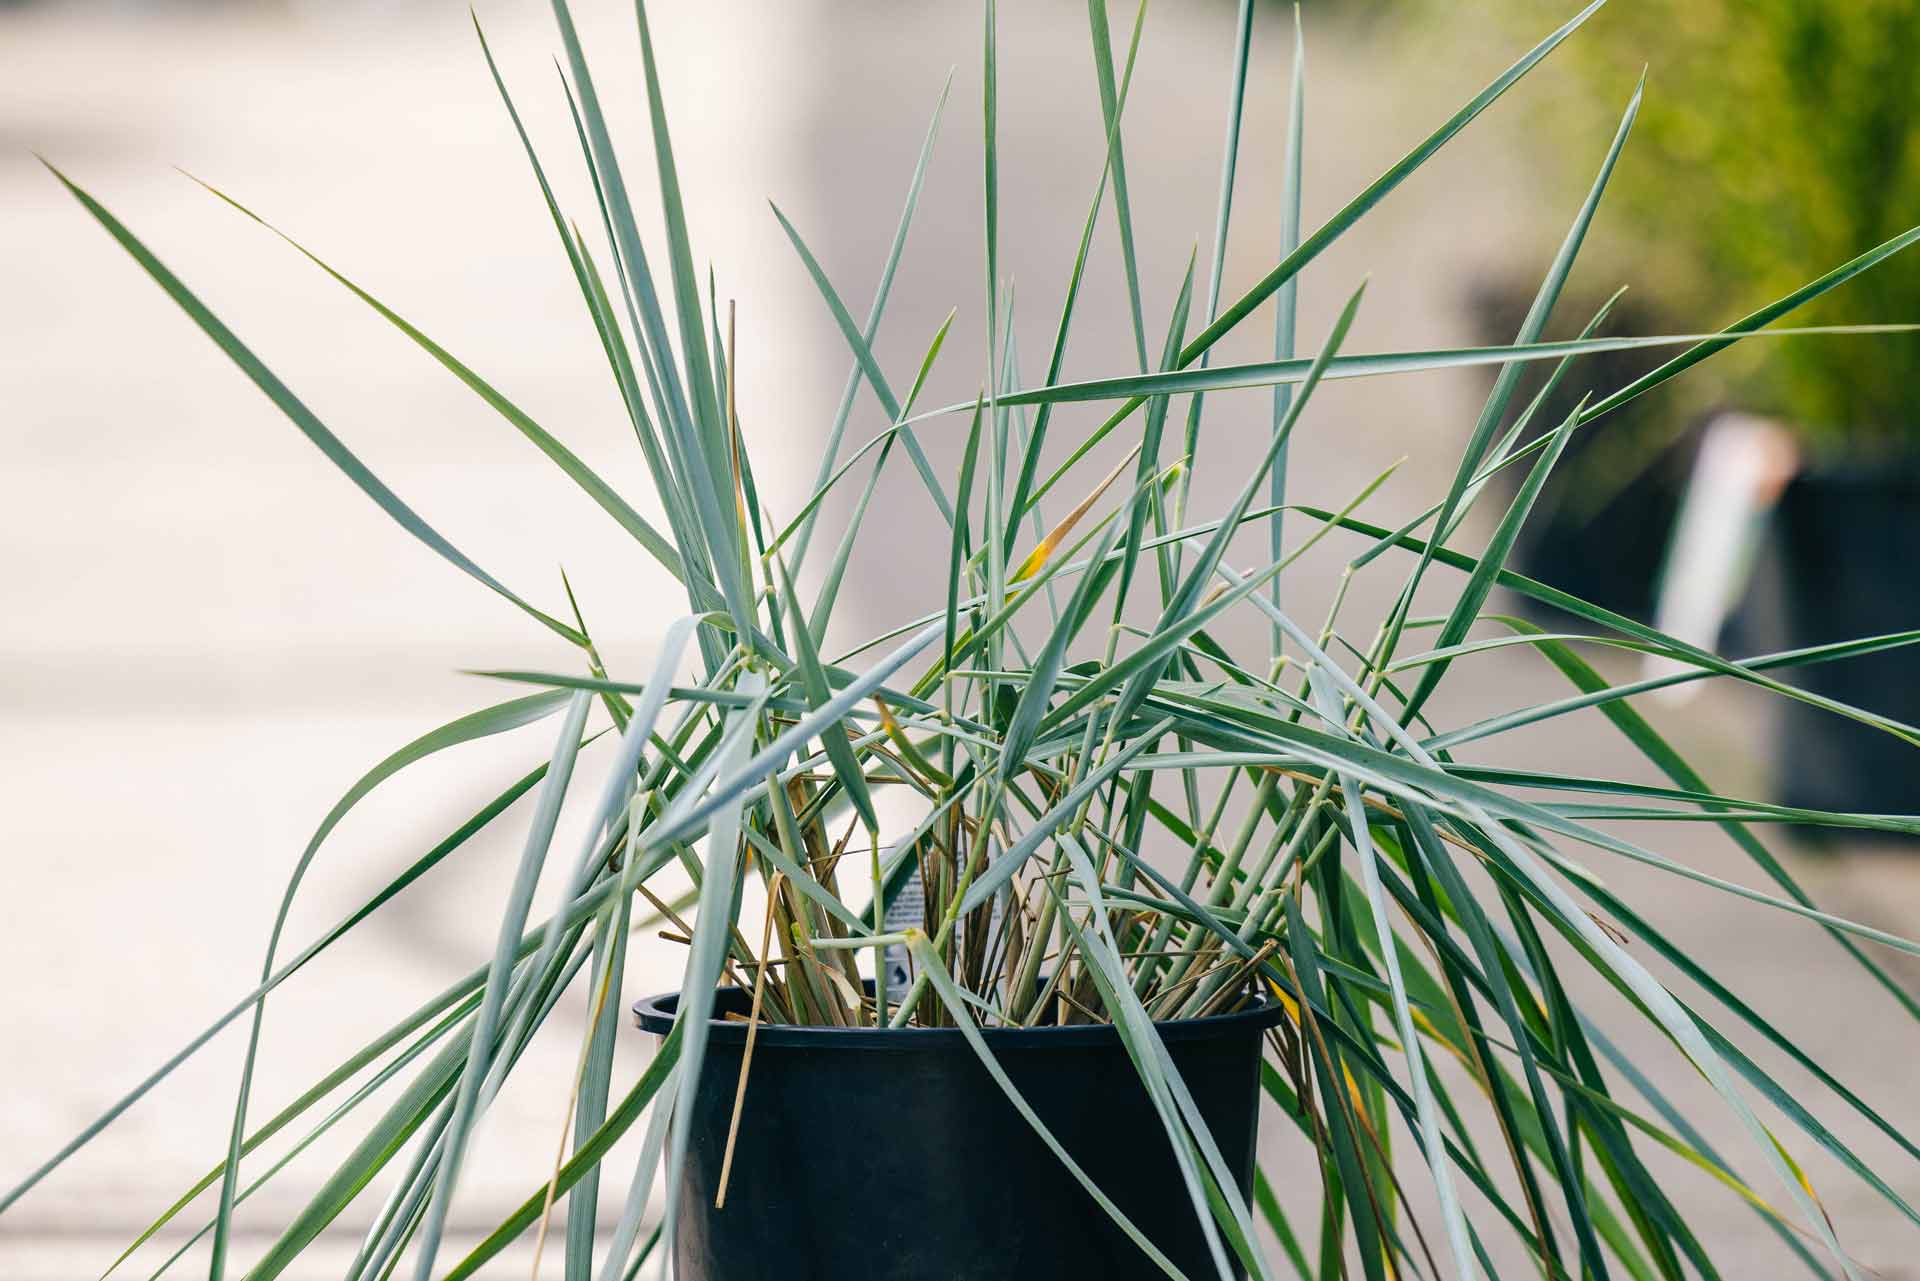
x=208, y=633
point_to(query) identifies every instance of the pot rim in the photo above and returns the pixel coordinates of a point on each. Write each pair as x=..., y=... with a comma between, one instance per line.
x=656, y=1014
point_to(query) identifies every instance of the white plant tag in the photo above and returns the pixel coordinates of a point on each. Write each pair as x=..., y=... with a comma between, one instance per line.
x=1743, y=464
x=907, y=910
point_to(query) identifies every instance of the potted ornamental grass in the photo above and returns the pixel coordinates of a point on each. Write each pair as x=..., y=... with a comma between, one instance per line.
x=1150, y=890
x=1791, y=130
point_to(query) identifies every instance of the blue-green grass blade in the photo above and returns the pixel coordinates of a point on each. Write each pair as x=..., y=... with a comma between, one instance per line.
x=1181, y=605
x=1350, y=213
x=957, y=557
x=596, y=1081
x=712, y=934
x=413, y=873
x=1541, y=308
x=1428, y=861
x=1596, y=1103
x=448, y=1008
x=856, y=524
x=883, y=441
x=428, y=1101
x=1001, y=869
x=1749, y=326
x=1038, y=689
x=1717, y=1045
x=990, y=220
x=328, y=1202
x=1445, y=792
x=1362, y=1056
x=829, y=594
x=1685, y=1129
x=476, y=725
x=868, y=365
x=831, y=450
x=480, y=1052
x=1506, y=451
x=1137, y=671
x=1636, y=634
x=701, y=592
x=683, y=819
x=658, y=447
x=803, y=881
x=1286, y=299
x=1117, y=166
x=1679, y=804
x=606, y=685
x=642, y=1255
x=708, y=414
x=1665, y=1009
x=599, y=307
x=1352, y=1185
x=387, y=1072
x=610, y=338
x=1754, y=322
x=1656, y=749
x=1466, y=606
x=1504, y=385
x=1378, y=190
x=1030, y=460
x=1564, y=1051
x=1268, y=373
x=1632, y=921
x=296, y=410
x=1530, y=636
x=1022, y=442
x=699, y=442
x=1148, y=465
x=813, y=680
x=1273, y=373
x=382, y=1142
x=1527, y=1120
x=1223, y=215
x=603, y=494
x=583, y=1165
x=595, y=845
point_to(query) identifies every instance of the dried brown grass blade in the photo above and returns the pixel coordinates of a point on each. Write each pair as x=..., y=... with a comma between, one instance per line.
x=1058, y=534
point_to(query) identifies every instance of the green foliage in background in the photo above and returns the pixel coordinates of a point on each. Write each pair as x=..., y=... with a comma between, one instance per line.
x=1776, y=135
x=1181, y=827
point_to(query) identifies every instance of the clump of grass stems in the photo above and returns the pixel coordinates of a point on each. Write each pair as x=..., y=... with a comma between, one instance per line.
x=1117, y=822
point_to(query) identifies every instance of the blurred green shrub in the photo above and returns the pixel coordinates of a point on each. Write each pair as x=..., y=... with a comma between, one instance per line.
x=1778, y=138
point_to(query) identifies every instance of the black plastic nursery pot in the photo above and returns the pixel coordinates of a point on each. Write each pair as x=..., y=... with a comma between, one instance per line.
x=892, y=1154
x=1848, y=548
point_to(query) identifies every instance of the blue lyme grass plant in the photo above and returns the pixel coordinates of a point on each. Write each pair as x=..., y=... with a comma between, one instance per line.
x=1115, y=822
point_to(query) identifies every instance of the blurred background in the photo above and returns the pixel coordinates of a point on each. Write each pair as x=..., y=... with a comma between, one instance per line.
x=208, y=634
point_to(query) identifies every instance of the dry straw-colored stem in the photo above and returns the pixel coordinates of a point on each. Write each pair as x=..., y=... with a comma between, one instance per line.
x=753, y=1030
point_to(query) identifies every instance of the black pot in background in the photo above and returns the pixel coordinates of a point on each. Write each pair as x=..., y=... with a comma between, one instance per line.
x=1845, y=553
x=1607, y=551
x=893, y=1156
